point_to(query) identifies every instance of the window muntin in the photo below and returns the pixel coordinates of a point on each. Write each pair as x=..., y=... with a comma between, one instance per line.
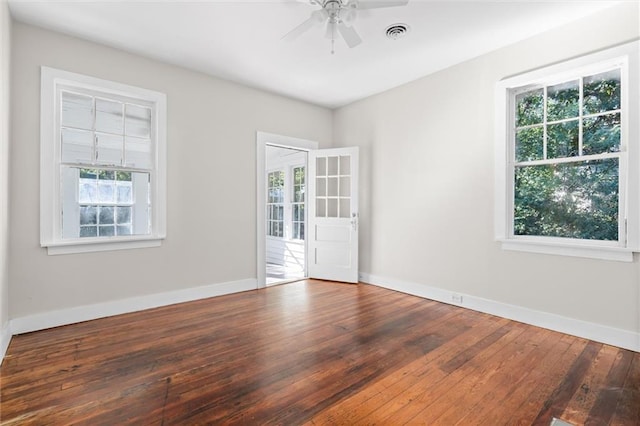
x=566, y=158
x=275, y=204
x=297, y=204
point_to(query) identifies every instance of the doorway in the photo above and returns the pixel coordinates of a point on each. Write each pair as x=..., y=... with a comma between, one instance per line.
x=286, y=170
x=281, y=208
x=319, y=204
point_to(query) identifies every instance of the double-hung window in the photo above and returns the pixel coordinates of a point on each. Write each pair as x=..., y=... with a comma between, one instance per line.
x=103, y=160
x=567, y=165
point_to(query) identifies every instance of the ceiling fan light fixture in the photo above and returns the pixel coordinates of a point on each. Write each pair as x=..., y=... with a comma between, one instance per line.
x=397, y=31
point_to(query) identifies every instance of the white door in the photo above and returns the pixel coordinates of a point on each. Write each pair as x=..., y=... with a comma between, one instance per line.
x=333, y=214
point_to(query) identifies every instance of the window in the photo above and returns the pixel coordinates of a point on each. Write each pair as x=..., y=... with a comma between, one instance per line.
x=297, y=204
x=275, y=204
x=103, y=164
x=565, y=141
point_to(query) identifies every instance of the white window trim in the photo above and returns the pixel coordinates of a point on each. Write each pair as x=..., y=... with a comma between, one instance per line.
x=627, y=54
x=50, y=202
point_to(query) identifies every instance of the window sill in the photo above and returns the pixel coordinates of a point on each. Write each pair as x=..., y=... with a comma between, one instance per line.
x=88, y=246
x=564, y=249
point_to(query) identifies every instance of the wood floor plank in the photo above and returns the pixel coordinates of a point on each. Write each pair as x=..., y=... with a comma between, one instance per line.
x=425, y=393
x=555, y=405
x=443, y=346
x=627, y=411
x=518, y=394
x=312, y=352
x=612, y=389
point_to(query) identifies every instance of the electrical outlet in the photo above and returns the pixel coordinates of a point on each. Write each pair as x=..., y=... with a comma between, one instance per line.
x=456, y=298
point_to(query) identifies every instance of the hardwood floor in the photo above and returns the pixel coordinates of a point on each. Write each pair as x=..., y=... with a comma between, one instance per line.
x=315, y=353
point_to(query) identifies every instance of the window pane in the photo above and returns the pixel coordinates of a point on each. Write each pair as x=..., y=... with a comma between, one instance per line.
x=345, y=186
x=106, y=215
x=298, y=195
x=572, y=200
x=88, y=231
x=123, y=229
x=563, y=101
x=77, y=146
x=124, y=192
x=109, y=116
x=77, y=111
x=88, y=215
x=562, y=139
x=106, y=174
x=298, y=176
x=602, y=92
x=321, y=166
x=345, y=207
x=332, y=207
x=321, y=187
x=138, y=153
x=529, y=144
x=123, y=215
x=529, y=108
x=138, y=121
x=332, y=187
x=332, y=166
x=601, y=134
x=345, y=165
x=301, y=236
x=321, y=207
x=106, y=231
x=106, y=191
x=109, y=149
x=88, y=191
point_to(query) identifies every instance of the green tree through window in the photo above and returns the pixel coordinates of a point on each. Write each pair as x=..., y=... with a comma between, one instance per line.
x=567, y=159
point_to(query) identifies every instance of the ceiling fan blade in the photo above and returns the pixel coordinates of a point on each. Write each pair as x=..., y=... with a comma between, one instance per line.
x=317, y=17
x=376, y=4
x=349, y=34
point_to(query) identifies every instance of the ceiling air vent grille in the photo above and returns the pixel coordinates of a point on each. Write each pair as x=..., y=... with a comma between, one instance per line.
x=396, y=31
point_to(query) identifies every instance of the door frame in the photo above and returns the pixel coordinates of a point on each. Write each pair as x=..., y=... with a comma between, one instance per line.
x=262, y=140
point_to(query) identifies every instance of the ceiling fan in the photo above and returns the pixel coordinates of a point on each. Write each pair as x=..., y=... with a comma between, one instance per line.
x=338, y=15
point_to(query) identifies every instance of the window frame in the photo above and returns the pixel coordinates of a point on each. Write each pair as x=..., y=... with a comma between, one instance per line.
x=623, y=56
x=53, y=81
x=282, y=222
x=295, y=224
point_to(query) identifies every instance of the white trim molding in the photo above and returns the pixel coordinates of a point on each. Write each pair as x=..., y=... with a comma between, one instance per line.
x=600, y=333
x=77, y=314
x=5, y=339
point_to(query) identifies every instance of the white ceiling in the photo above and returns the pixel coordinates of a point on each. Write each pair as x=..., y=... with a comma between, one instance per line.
x=240, y=40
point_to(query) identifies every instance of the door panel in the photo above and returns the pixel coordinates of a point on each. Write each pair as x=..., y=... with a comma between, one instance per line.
x=333, y=214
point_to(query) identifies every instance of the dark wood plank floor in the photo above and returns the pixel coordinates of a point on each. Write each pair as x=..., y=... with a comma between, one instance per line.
x=317, y=353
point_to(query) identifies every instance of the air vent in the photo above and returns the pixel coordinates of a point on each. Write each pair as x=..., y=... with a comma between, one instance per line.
x=396, y=31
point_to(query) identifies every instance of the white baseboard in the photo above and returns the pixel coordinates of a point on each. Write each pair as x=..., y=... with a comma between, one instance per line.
x=100, y=310
x=5, y=339
x=597, y=332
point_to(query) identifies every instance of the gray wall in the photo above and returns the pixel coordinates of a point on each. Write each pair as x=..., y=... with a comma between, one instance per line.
x=211, y=217
x=5, y=60
x=427, y=193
